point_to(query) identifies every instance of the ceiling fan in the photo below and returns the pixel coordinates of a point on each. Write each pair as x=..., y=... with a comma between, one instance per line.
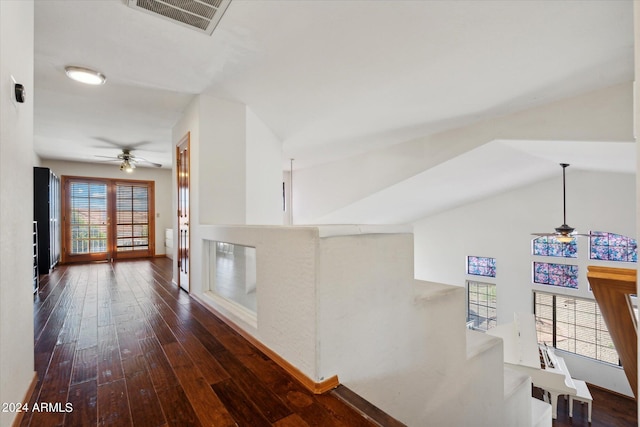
x=563, y=233
x=128, y=160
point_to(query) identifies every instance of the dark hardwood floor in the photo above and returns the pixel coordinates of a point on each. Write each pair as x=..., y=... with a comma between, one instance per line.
x=608, y=410
x=117, y=344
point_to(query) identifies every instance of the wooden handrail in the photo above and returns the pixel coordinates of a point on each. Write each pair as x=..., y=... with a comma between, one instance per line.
x=611, y=288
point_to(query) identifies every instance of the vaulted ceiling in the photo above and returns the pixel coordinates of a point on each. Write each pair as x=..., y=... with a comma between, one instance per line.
x=330, y=78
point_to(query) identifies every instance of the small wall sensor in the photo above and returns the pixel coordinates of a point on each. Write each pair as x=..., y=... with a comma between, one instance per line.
x=20, y=92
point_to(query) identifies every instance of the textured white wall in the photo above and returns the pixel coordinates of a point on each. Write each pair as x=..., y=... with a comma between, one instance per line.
x=286, y=289
x=16, y=199
x=161, y=178
x=500, y=227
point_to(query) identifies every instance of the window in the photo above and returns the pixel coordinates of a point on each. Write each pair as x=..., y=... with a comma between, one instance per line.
x=481, y=305
x=612, y=247
x=574, y=325
x=550, y=246
x=563, y=275
x=481, y=266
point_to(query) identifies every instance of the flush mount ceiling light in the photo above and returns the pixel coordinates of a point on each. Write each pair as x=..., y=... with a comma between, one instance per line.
x=85, y=75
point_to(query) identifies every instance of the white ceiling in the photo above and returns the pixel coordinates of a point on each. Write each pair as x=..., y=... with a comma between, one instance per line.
x=490, y=169
x=330, y=78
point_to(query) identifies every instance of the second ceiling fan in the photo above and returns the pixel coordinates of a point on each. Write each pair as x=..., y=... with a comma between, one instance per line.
x=563, y=233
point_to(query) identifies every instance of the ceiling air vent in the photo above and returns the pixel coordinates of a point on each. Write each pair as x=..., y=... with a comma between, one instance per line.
x=199, y=15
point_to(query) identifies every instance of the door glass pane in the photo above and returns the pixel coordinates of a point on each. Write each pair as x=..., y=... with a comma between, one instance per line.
x=132, y=204
x=88, y=217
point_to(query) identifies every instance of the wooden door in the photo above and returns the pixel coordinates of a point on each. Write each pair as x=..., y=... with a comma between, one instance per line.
x=86, y=220
x=106, y=219
x=132, y=228
x=182, y=170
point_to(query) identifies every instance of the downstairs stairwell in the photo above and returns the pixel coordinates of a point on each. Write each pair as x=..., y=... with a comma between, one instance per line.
x=339, y=304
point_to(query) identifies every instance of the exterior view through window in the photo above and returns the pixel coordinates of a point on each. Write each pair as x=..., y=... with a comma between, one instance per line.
x=105, y=219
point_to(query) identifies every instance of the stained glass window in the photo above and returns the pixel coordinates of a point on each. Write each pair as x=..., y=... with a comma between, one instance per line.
x=481, y=266
x=550, y=246
x=563, y=275
x=612, y=247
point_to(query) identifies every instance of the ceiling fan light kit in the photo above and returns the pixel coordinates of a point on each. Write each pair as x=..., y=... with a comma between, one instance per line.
x=128, y=161
x=127, y=166
x=85, y=75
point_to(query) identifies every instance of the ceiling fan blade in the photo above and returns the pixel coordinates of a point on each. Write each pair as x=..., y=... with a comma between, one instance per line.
x=140, y=159
x=129, y=157
x=122, y=146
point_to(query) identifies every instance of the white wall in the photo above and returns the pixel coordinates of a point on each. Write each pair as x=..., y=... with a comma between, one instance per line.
x=500, y=227
x=161, y=178
x=222, y=158
x=16, y=199
x=236, y=164
x=235, y=169
x=264, y=173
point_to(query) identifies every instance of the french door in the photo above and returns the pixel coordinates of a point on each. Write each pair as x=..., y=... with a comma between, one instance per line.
x=106, y=219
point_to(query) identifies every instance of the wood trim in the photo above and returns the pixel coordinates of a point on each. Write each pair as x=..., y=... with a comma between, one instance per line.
x=27, y=398
x=65, y=238
x=611, y=288
x=366, y=408
x=612, y=392
x=111, y=183
x=308, y=383
x=151, y=187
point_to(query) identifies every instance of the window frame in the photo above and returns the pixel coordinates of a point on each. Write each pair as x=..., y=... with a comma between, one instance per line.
x=553, y=247
x=486, y=263
x=111, y=251
x=630, y=247
x=567, y=277
x=601, y=342
x=489, y=306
